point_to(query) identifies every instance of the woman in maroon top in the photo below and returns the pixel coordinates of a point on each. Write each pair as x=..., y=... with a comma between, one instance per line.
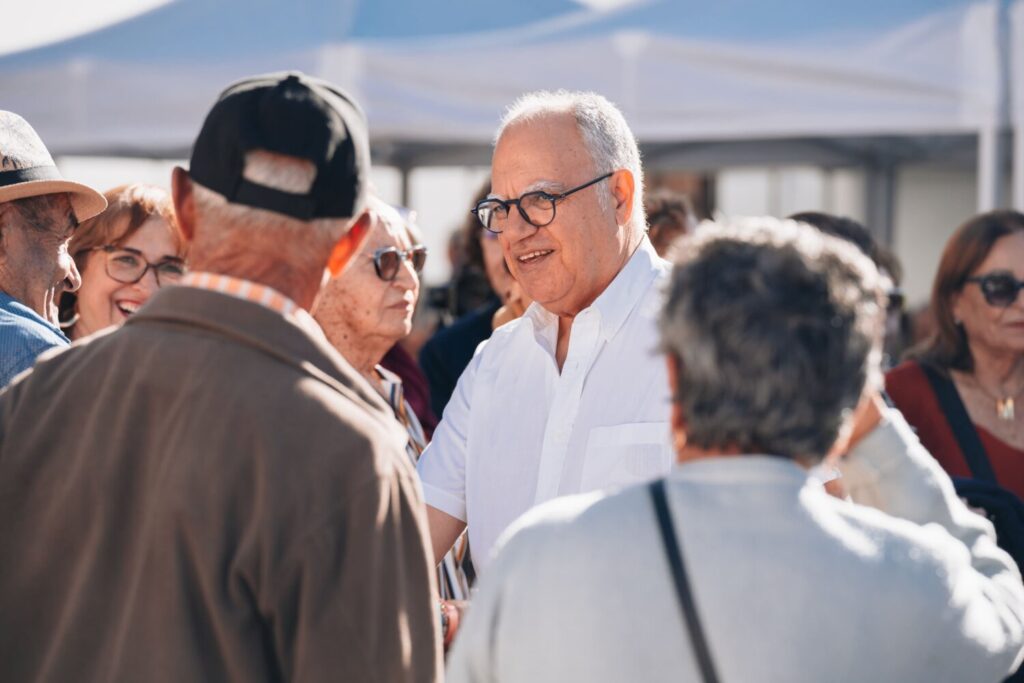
x=978, y=345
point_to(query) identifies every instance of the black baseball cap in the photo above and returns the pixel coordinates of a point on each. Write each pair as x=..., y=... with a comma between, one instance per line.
x=293, y=114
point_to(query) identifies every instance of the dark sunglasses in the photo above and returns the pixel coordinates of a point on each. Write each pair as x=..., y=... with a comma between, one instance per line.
x=896, y=300
x=999, y=289
x=389, y=260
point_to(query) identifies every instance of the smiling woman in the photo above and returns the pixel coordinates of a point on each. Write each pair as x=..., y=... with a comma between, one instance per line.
x=124, y=255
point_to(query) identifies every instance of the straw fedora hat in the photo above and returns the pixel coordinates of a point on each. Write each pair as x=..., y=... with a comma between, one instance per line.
x=27, y=170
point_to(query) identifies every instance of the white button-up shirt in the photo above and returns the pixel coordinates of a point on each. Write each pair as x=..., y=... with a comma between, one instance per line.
x=517, y=432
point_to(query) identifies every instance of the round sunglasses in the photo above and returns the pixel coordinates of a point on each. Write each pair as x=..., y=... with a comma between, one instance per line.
x=389, y=260
x=999, y=288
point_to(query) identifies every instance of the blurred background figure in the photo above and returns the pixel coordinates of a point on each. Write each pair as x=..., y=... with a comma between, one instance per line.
x=365, y=312
x=124, y=255
x=448, y=352
x=468, y=289
x=897, y=321
x=669, y=216
x=773, y=333
x=975, y=357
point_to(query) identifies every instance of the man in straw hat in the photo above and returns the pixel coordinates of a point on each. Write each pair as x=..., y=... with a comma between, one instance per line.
x=39, y=211
x=233, y=501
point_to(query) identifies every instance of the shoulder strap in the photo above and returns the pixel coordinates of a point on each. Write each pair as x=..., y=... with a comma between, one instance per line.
x=960, y=422
x=682, y=583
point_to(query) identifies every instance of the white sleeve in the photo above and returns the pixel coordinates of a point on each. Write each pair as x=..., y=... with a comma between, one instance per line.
x=442, y=466
x=891, y=470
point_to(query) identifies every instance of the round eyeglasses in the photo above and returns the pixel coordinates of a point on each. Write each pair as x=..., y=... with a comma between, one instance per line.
x=1000, y=289
x=389, y=260
x=536, y=208
x=128, y=266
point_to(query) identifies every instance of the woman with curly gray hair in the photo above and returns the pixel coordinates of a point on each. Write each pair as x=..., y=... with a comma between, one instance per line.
x=739, y=563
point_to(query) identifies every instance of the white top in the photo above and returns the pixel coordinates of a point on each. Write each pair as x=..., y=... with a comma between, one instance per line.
x=517, y=433
x=791, y=585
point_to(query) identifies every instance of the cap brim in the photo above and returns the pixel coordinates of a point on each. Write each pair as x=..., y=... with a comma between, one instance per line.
x=85, y=201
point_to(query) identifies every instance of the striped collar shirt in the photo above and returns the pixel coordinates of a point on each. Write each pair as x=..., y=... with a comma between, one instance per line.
x=249, y=291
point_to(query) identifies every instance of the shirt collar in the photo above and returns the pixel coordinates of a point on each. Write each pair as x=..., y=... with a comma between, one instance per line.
x=619, y=298
x=391, y=381
x=249, y=291
x=15, y=307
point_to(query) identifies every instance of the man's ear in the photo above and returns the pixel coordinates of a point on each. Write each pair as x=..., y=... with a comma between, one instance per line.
x=677, y=420
x=349, y=244
x=623, y=188
x=184, y=202
x=5, y=233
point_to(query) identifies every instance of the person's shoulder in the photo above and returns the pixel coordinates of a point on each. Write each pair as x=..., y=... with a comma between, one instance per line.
x=573, y=521
x=910, y=390
x=911, y=559
x=462, y=336
x=907, y=372
x=24, y=331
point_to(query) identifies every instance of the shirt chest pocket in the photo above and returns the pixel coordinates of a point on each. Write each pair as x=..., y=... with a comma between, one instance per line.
x=620, y=455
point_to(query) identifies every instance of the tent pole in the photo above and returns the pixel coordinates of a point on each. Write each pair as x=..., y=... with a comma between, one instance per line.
x=990, y=169
x=405, y=185
x=1018, y=166
x=879, y=194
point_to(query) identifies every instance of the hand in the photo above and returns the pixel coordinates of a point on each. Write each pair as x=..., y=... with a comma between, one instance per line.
x=453, y=611
x=866, y=417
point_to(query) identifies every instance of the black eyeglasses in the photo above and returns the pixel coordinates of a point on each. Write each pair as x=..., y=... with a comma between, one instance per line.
x=389, y=260
x=536, y=208
x=896, y=300
x=999, y=288
x=128, y=266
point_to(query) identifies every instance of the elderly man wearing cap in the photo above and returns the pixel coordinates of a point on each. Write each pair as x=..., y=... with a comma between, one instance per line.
x=234, y=503
x=39, y=211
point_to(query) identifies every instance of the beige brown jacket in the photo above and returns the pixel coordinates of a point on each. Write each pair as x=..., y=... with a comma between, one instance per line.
x=209, y=494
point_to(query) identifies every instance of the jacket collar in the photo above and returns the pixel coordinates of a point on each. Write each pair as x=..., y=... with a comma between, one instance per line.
x=295, y=340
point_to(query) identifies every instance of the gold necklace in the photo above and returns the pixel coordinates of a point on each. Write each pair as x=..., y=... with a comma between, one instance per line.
x=1004, y=406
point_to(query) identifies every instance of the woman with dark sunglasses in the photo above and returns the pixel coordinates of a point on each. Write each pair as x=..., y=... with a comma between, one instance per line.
x=963, y=389
x=365, y=311
x=368, y=308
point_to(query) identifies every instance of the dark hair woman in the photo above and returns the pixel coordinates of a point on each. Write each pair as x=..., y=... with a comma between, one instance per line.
x=963, y=389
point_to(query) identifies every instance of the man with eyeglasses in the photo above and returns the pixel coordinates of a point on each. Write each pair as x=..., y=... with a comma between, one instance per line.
x=571, y=396
x=39, y=212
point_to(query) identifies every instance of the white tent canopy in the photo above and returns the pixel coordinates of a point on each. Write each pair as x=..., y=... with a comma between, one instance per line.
x=872, y=83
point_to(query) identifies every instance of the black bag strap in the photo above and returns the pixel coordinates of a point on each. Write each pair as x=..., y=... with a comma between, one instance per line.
x=960, y=422
x=682, y=583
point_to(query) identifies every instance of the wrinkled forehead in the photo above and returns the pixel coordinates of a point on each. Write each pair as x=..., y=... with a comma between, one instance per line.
x=388, y=229
x=544, y=153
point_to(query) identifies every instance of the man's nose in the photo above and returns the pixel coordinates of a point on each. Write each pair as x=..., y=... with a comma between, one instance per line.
x=73, y=280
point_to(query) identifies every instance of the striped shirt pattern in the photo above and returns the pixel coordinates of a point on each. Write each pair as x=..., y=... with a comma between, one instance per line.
x=247, y=291
x=455, y=569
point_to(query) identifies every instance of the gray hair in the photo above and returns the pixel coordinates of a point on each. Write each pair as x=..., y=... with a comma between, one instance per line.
x=604, y=130
x=777, y=330
x=268, y=236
